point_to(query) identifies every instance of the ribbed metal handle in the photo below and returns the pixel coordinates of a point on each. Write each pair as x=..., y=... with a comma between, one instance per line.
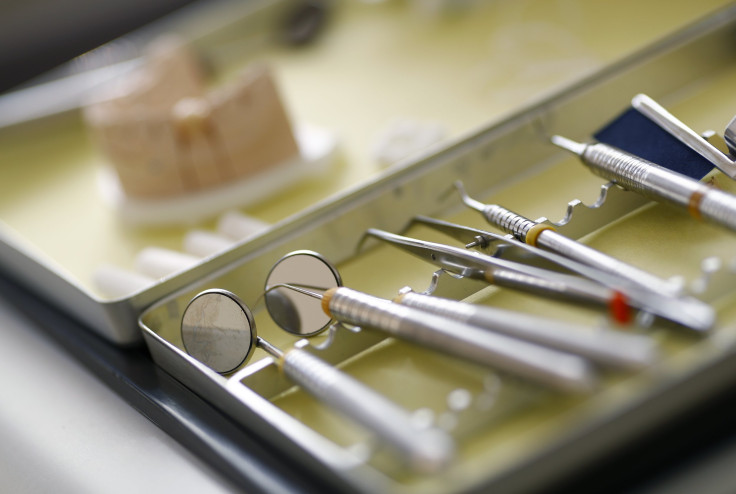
x=719, y=207
x=662, y=184
x=601, y=345
x=642, y=176
x=544, y=365
x=508, y=221
x=426, y=450
x=628, y=171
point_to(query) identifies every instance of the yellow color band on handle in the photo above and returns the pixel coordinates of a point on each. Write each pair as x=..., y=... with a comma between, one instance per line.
x=533, y=234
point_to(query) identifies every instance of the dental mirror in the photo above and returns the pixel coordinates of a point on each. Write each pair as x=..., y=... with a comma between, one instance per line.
x=317, y=288
x=218, y=330
x=294, y=311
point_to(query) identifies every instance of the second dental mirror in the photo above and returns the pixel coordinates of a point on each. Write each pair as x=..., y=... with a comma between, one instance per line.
x=218, y=330
x=294, y=311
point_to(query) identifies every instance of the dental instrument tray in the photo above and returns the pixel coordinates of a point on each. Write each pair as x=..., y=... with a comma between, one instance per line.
x=509, y=433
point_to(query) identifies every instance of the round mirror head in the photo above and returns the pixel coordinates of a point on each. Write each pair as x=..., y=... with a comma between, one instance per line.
x=218, y=330
x=295, y=312
x=283, y=310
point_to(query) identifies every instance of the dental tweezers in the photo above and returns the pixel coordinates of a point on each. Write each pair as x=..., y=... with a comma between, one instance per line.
x=510, y=274
x=600, y=287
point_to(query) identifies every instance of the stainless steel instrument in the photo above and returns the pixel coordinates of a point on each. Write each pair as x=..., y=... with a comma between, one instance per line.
x=219, y=330
x=616, y=293
x=543, y=365
x=601, y=345
x=510, y=274
x=545, y=237
x=655, y=182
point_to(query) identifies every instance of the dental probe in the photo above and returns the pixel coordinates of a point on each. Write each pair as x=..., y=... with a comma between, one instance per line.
x=554, y=368
x=510, y=274
x=604, y=346
x=682, y=309
x=545, y=236
x=551, y=367
x=655, y=182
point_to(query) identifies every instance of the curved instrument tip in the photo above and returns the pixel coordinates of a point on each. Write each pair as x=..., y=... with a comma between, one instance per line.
x=467, y=200
x=568, y=144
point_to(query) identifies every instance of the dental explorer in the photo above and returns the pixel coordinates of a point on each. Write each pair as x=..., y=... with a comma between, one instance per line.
x=510, y=274
x=655, y=182
x=618, y=293
x=554, y=368
x=604, y=346
x=545, y=236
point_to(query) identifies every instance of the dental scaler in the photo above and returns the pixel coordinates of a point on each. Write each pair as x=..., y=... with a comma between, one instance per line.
x=655, y=182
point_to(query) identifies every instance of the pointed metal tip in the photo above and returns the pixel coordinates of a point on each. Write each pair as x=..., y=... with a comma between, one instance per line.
x=380, y=234
x=363, y=240
x=370, y=233
x=299, y=288
x=467, y=200
x=568, y=144
x=640, y=100
x=460, y=187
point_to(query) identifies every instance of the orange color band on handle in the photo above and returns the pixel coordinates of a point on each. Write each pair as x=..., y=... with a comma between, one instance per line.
x=619, y=308
x=326, y=298
x=693, y=205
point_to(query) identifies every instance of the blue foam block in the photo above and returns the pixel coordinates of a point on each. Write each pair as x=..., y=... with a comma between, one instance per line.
x=634, y=133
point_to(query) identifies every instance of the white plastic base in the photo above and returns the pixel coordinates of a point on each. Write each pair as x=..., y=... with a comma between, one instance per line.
x=316, y=148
